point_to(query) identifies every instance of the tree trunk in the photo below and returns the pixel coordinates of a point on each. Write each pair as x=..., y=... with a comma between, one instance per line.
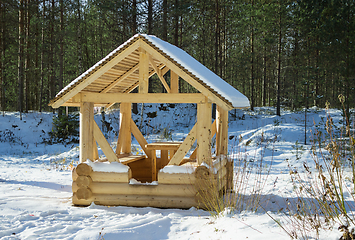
x=28, y=68
x=2, y=52
x=42, y=56
x=217, y=37
x=150, y=16
x=264, y=84
x=176, y=23
x=165, y=20
x=61, y=50
x=21, y=57
x=52, y=54
x=79, y=42
x=252, y=102
x=134, y=17
x=278, y=85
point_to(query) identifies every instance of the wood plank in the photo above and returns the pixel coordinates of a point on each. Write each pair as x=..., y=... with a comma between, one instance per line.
x=164, y=155
x=125, y=126
x=121, y=78
x=184, y=148
x=95, y=151
x=105, y=146
x=100, y=71
x=213, y=132
x=163, y=145
x=184, y=75
x=143, y=97
x=139, y=137
x=143, y=72
x=158, y=72
x=86, y=131
x=154, y=165
x=164, y=70
x=222, y=131
x=131, y=158
x=204, y=119
x=119, y=142
x=174, y=82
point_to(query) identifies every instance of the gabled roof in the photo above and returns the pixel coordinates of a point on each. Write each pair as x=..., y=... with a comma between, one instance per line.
x=118, y=73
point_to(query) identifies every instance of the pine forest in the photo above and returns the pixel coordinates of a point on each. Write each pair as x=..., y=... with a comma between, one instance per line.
x=281, y=53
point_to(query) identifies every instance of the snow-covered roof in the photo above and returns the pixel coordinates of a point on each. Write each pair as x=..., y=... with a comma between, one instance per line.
x=99, y=76
x=199, y=70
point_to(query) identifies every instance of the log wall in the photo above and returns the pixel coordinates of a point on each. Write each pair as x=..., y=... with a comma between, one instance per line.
x=174, y=190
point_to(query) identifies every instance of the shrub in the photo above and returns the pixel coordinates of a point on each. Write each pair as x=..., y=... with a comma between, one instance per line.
x=65, y=129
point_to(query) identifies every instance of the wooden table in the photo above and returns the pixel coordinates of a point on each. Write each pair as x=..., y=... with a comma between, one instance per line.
x=165, y=148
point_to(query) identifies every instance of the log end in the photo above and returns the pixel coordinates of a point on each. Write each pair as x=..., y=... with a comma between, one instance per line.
x=83, y=181
x=83, y=193
x=83, y=169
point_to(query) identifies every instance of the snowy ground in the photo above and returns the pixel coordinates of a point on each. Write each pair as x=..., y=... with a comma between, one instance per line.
x=35, y=179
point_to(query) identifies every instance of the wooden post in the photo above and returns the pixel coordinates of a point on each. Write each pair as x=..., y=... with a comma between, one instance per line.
x=125, y=128
x=154, y=165
x=222, y=144
x=204, y=119
x=86, y=131
x=164, y=158
x=174, y=82
x=143, y=71
x=222, y=131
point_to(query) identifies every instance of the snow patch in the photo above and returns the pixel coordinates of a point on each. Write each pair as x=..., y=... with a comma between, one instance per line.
x=177, y=169
x=136, y=182
x=107, y=166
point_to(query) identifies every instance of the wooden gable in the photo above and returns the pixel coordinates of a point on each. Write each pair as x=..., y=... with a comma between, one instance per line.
x=130, y=66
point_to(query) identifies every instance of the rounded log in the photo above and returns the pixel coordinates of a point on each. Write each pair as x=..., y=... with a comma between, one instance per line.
x=176, y=178
x=110, y=177
x=81, y=202
x=145, y=201
x=83, y=181
x=83, y=169
x=74, y=187
x=74, y=175
x=83, y=193
x=148, y=190
x=202, y=172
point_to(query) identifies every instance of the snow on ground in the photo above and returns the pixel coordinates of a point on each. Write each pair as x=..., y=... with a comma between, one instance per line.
x=35, y=178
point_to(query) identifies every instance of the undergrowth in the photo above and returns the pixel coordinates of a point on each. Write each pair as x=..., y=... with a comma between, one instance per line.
x=241, y=191
x=325, y=192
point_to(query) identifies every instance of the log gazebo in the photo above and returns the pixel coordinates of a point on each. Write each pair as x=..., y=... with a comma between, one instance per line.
x=171, y=180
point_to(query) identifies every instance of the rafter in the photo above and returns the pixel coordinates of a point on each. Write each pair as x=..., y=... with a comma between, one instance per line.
x=121, y=78
x=160, y=75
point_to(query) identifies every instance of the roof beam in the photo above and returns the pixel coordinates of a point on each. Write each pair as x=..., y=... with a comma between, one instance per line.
x=164, y=70
x=96, y=74
x=184, y=75
x=101, y=98
x=143, y=72
x=159, y=73
x=121, y=78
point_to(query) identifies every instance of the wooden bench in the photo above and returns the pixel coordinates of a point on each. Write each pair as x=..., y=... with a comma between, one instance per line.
x=125, y=158
x=131, y=158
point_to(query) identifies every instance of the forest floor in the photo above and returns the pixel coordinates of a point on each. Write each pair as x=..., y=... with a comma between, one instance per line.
x=35, y=179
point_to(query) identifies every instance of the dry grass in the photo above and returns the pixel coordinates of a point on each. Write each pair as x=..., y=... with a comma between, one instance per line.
x=325, y=193
x=240, y=191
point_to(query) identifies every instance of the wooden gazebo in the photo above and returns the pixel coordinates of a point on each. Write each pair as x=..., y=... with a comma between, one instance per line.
x=172, y=179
